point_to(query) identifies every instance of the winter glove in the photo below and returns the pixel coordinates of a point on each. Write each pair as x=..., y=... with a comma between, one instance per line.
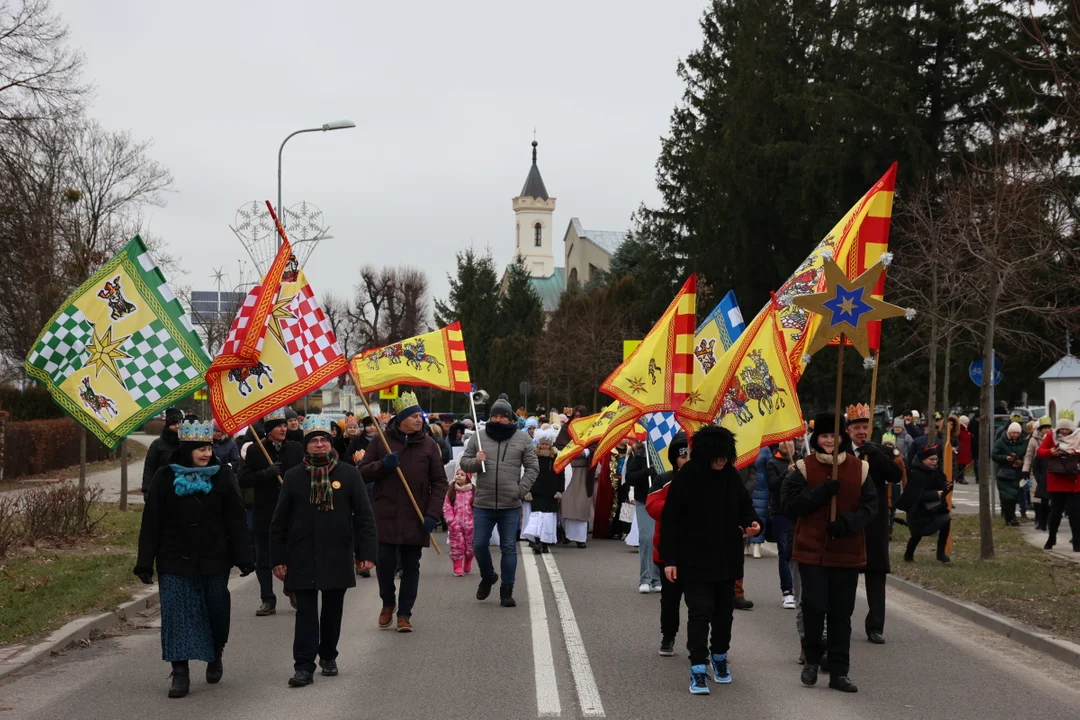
x=429, y=522
x=272, y=470
x=246, y=569
x=1026, y=475
x=145, y=575
x=838, y=527
x=391, y=461
x=652, y=472
x=832, y=487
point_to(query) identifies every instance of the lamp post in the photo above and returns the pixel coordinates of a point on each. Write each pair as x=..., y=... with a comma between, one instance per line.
x=336, y=125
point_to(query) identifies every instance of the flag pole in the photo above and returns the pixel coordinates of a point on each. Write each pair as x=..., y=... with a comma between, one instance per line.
x=401, y=475
x=476, y=432
x=836, y=429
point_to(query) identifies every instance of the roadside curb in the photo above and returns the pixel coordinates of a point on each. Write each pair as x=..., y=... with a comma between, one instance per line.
x=77, y=630
x=1057, y=648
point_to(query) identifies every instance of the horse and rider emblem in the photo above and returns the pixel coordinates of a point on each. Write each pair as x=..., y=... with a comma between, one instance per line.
x=759, y=385
x=414, y=353
x=97, y=404
x=114, y=296
x=241, y=376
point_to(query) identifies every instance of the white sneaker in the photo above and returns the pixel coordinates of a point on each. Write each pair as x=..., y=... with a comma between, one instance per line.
x=789, y=602
x=657, y=588
x=757, y=550
x=643, y=588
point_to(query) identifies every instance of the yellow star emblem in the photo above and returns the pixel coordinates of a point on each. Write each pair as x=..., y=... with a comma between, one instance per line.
x=104, y=352
x=846, y=308
x=637, y=385
x=281, y=311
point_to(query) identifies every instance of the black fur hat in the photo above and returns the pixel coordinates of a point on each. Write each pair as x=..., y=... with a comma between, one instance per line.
x=712, y=442
x=826, y=423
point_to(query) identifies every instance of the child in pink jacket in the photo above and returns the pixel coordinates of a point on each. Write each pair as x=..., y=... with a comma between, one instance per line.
x=458, y=512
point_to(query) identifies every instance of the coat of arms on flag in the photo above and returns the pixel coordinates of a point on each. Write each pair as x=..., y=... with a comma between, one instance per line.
x=280, y=347
x=120, y=349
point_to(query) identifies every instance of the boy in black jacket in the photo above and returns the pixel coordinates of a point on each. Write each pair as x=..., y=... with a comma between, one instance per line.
x=706, y=514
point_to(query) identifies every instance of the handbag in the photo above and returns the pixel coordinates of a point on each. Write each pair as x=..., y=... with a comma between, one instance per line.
x=936, y=506
x=1064, y=464
x=626, y=512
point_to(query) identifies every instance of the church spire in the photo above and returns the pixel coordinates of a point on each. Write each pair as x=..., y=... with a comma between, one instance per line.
x=534, y=184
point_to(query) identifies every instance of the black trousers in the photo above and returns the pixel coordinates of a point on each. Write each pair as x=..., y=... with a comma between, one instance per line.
x=385, y=569
x=671, y=594
x=828, y=593
x=875, y=598
x=708, y=604
x=262, y=568
x=315, y=635
x=942, y=539
x=1008, y=510
x=1060, y=503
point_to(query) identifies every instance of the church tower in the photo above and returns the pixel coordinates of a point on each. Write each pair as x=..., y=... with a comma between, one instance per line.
x=533, y=211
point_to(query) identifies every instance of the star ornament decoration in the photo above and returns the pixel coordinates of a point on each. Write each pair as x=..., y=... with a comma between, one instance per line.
x=104, y=352
x=847, y=307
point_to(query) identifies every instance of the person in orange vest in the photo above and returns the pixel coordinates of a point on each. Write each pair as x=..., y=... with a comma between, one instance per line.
x=830, y=552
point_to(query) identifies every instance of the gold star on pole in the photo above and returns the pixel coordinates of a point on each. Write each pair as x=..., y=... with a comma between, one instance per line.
x=847, y=307
x=281, y=312
x=104, y=352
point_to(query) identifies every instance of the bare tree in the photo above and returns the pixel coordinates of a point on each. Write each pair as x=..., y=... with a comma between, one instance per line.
x=337, y=315
x=390, y=304
x=39, y=74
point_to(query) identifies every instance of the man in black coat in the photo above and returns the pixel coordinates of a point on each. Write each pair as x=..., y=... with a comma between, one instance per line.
x=884, y=472
x=161, y=450
x=265, y=478
x=322, y=534
x=294, y=433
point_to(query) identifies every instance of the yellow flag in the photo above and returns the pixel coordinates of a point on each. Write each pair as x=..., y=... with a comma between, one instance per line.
x=607, y=428
x=751, y=390
x=658, y=376
x=435, y=359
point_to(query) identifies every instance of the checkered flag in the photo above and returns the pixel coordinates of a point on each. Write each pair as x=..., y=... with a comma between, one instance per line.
x=308, y=338
x=61, y=350
x=240, y=323
x=157, y=365
x=660, y=429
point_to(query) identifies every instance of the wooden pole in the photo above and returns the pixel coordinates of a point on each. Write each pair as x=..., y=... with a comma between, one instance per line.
x=82, y=457
x=123, y=476
x=836, y=429
x=401, y=475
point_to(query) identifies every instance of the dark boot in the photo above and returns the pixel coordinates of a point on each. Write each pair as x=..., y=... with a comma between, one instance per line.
x=842, y=683
x=214, y=669
x=484, y=588
x=809, y=675
x=912, y=543
x=506, y=596
x=1051, y=540
x=181, y=680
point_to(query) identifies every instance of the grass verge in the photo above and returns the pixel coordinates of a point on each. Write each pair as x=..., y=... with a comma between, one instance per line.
x=44, y=587
x=1022, y=581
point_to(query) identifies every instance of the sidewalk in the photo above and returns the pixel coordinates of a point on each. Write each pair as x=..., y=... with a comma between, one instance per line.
x=1063, y=548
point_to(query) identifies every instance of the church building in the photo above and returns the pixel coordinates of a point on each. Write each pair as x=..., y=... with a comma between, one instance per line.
x=586, y=253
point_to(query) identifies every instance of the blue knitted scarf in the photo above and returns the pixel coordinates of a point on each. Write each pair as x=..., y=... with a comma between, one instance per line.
x=191, y=480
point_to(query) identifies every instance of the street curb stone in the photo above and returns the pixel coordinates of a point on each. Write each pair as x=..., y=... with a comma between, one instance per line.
x=1057, y=648
x=77, y=630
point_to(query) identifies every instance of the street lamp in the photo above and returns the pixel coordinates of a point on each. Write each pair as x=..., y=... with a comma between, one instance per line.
x=335, y=125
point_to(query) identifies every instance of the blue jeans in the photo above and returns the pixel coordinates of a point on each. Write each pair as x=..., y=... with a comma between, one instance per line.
x=647, y=572
x=780, y=524
x=507, y=521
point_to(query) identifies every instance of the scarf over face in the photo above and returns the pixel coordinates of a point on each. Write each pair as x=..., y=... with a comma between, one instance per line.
x=191, y=480
x=320, y=467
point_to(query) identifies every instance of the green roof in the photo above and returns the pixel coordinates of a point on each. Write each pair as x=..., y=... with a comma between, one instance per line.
x=550, y=289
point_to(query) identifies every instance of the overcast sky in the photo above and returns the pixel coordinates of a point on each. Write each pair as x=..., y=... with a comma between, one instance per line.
x=444, y=95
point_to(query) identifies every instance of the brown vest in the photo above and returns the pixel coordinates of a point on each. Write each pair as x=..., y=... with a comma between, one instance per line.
x=813, y=545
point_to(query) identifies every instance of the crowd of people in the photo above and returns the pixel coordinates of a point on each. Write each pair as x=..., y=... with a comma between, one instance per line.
x=313, y=505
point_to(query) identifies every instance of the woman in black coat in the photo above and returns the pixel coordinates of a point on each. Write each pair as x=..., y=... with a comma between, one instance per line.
x=194, y=530
x=924, y=502
x=160, y=452
x=322, y=534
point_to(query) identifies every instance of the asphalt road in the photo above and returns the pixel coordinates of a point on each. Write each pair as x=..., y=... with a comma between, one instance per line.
x=584, y=631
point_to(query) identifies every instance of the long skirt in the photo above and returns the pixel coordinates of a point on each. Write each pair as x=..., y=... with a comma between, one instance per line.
x=543, y=527
x=194, y=616
x=526, y=511
x=576, y=530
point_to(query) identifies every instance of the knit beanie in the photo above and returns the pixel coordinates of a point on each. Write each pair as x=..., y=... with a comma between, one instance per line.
x=1066, y=420
x=964, y=420
x=1014, y=427
x=676, y=448
x=502, y=407
x=928, y=451
x=174, y=416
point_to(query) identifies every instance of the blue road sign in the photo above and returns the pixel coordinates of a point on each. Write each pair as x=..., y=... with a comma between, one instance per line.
x=975, y=371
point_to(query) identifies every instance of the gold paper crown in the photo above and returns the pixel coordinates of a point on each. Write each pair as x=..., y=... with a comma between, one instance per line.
x=857, y=412
x=406, y=400
x=196, y=431
x=1067, y=415
x=316, y=423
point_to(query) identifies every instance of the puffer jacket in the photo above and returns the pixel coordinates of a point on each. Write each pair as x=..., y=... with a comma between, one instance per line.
x=1008, y=476
x=504, y=485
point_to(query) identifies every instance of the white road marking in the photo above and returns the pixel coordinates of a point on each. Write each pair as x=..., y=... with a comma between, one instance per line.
x=547, y=689
x=588, y=694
